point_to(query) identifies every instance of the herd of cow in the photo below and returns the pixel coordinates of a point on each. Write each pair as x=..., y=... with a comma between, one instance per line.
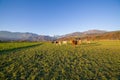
x=76, y=41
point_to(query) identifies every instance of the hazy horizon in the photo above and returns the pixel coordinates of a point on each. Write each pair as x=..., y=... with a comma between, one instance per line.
x=58, y=35
x=59, y=17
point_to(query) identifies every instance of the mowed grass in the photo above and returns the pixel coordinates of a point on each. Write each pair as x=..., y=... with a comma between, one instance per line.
x=99, y=60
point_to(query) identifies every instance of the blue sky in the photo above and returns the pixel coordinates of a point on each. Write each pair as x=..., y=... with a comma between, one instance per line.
x=58, y=17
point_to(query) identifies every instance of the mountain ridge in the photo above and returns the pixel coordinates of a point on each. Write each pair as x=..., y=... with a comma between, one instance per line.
x=19, y=36
x=81, y=34
x=27, y=36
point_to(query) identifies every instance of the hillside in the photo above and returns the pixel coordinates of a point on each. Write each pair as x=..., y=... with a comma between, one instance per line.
x=93, y=35
x=17, y=36
x=85, y=33
x=114, y=35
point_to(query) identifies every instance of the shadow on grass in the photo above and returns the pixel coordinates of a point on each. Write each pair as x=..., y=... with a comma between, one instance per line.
x=18, y=48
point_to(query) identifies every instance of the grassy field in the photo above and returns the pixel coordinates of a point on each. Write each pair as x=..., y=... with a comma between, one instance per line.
x=99, y=60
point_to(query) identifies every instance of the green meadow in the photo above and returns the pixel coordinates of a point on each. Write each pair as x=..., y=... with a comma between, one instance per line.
x=98, y=60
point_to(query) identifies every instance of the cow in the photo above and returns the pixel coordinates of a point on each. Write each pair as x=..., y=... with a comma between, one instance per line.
x=74, y=42
x=64, y=42
x=79, y=42
x=56, y=42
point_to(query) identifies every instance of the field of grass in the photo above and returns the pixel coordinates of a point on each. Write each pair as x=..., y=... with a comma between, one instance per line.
x=99, y=60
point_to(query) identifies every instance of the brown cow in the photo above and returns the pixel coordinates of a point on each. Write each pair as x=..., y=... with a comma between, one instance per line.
x=74, y=42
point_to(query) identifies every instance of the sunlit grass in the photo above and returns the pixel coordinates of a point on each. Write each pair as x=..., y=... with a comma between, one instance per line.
x=98, y=60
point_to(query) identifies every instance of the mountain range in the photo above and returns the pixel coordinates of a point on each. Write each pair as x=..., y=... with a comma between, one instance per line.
x=91, y=34
x=18, y=36
x=82, y=34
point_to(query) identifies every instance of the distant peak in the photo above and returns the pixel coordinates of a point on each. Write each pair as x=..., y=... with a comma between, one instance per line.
x=94, y=31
